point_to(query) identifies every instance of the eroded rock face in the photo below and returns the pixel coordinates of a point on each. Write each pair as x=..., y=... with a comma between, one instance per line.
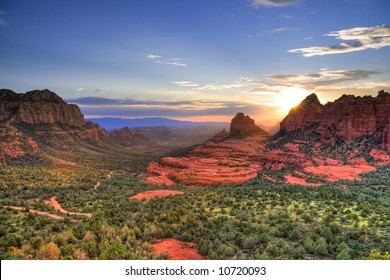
x=241, y=125
x=40, y=117
x=38, y=107
x=307, y=112
x=347, y=117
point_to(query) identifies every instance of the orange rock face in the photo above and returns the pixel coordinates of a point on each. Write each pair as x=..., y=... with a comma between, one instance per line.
x=38, y=107
x=348, y=117
x=46, y=117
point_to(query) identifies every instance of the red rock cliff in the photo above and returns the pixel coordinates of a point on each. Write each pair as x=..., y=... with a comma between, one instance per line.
x=40, y=117
x=38, y=107
x=347, y=117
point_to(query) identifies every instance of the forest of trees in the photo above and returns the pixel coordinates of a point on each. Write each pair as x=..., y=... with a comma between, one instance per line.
x=255, y=220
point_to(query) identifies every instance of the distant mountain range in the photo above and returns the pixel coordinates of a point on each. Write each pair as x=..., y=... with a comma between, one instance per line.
x=112, y=123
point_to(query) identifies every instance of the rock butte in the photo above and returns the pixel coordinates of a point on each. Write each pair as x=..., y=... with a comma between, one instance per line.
x=238, y=156
x=156, y=193
x=177, y=250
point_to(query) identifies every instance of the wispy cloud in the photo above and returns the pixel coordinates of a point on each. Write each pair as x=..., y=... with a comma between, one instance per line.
x=274, y=3
x=173, y=61
x=286, y=16
x=211, y=87
x=2, y=20
x=324, y=79
x=220, y=86
x=79, y=89
x=176, y=62
x=355, y=39
x=283, y=29
x=154, y=57
x=185, y=84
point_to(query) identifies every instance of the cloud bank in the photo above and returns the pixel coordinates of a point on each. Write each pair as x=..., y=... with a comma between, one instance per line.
x=310, y=81
x=130, y=108
x=355, y=39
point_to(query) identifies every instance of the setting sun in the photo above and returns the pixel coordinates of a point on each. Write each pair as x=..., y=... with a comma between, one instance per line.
x=290, y=97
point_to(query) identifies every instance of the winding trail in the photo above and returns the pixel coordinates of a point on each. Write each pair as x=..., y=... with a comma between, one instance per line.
x=98, y=184
x=57, y=207
x=53, y=216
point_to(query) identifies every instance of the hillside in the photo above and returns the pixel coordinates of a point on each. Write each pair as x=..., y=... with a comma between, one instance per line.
x=38, y=127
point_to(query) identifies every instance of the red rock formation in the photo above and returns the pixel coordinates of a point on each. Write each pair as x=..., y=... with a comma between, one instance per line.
x=38, y=107
x=40, y=116
x=347, y=117
x=242, y=124
x=307, y=112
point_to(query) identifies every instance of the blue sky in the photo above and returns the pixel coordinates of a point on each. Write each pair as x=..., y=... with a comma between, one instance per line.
x=198, y=60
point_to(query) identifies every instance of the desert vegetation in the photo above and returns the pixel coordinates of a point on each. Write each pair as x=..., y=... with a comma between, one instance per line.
x=255, y=220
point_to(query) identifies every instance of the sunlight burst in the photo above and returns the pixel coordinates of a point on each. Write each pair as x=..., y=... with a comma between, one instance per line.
x=290, y=97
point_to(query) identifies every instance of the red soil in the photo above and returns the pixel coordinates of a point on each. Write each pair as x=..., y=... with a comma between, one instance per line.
x=38, y=212
x=239, y=160
x=53, y=202
x=295, y=180
x=155, y=193
x=381, y=157
x=333, y=162
x=292, y=147
x=335, y=173
x=268, y=178
x=177, y=250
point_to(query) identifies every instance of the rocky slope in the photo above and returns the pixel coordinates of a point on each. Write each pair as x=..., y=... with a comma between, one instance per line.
x=347, y=117
x=317, y=143
x=226, y=158
x=38, y=107
x=37, y=118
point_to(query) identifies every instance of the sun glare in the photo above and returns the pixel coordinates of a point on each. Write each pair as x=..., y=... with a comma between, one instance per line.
x=290, y=97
